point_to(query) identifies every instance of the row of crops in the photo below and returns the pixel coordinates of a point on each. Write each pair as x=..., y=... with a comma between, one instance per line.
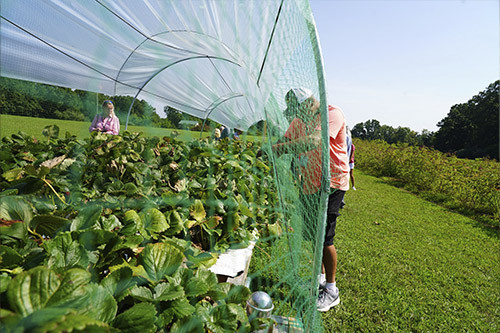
x=470, y=186
x=116, y=233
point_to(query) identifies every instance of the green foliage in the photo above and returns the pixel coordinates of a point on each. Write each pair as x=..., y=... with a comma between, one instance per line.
x=471, y=129
x=466, y=185
x=116, y=232
x=372, y=130
x=33, y=99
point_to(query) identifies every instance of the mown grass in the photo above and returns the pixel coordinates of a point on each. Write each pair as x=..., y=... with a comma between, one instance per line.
x=32, y=126
x=407, y=265
x=10, y=124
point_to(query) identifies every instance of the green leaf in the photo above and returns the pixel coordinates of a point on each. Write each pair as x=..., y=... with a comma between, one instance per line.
x=219, y=291
x=182, y=307
x=93, y=239
x=207, y=276
x=73, y=282
x=232, y=165
x=165, y=318
x=15, y=230
x=139, y=318
x=168, y=292
x=238, y=294
x=130, y=189
x=86, y=218
x=31, y=290
x=64, y=252
x=119, y=281
x=196, y=287
x=40, y=317
x=154, y=221
x=70, y=322
x=224, y=319
x=14, y=174
x=15, y=208
x=48, y=225
x=141, y=294
x=31, y=170
x=4, y=282
x=203, y=259
x=160, y=259
x=109, y=223
x=241, y=314
x=8, y=319
x=98, y=304
x=245, y=210
x=131, y=223
x=274, y=229
x=9, y=257
x=188, y=325
x=198, y=211
x=175, y=221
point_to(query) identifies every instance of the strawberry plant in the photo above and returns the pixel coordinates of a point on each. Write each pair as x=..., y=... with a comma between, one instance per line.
x=115, y=233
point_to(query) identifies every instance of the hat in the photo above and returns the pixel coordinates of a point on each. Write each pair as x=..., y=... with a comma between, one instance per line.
x=301, y=93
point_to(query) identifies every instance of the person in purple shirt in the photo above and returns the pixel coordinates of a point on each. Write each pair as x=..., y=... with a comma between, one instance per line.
x=108, y=122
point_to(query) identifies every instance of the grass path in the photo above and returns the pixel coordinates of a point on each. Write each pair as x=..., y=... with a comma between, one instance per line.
x=407, y=265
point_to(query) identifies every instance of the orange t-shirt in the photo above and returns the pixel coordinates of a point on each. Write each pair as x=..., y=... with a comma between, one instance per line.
x=310, y=161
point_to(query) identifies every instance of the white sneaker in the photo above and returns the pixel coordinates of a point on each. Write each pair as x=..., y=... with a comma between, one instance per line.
x=353, y=188
x=327, y=299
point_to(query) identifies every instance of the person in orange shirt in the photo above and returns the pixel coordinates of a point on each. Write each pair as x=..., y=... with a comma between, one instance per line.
x=303, y=138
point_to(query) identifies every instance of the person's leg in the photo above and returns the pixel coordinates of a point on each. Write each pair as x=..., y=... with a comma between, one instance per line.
x=329, y=294
x=330, y=262
x=351, y=175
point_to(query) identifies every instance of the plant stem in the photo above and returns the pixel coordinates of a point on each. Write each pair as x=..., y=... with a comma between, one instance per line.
x=53, y=190
x=34, y=233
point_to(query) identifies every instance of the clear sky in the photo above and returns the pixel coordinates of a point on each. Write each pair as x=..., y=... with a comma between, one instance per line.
x=407, y=62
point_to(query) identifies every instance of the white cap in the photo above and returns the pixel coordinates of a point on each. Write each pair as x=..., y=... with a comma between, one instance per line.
x=302, y=94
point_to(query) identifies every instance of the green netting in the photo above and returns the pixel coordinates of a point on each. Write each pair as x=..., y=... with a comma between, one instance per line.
x=124, y=231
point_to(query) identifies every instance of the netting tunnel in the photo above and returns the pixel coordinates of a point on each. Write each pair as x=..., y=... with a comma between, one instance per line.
x=232, y=62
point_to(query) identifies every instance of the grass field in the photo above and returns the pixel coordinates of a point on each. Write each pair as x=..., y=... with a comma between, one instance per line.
x=407, y=265
x=10, y=124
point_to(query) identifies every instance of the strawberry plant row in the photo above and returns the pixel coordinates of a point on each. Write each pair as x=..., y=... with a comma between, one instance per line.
x=116, y=233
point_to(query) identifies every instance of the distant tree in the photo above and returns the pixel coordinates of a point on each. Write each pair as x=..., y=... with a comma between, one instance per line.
x=373, y=130
x=174, y=116
x=358, y=131
x=426, y=138
x=471, y=129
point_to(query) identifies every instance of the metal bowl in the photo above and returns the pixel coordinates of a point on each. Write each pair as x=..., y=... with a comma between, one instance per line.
x=260, y=304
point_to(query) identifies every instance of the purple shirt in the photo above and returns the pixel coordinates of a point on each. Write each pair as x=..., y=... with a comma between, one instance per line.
x=108, y=125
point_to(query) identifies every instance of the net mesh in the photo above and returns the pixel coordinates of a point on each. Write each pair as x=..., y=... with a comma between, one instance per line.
x=230, y=62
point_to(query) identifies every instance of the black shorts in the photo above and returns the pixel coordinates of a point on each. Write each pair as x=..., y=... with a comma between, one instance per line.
x=333, y=208
x=310, y=204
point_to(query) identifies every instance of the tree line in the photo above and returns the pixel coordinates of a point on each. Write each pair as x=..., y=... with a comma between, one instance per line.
x=31, y=99
x=469, y=130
